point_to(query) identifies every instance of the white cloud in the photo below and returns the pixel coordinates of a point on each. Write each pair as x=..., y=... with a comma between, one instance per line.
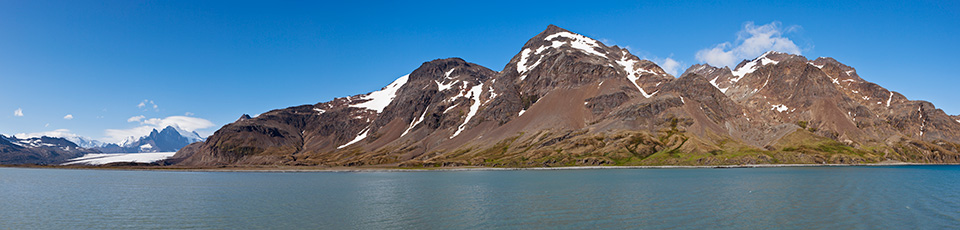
x=68, y=117
x=188, y=114
x=135, y=118
x=751, y=41
x=46, y=125
x=671, y=66
x=18, y=112
x=145, y=103
x=184, y=123
x=54, y=133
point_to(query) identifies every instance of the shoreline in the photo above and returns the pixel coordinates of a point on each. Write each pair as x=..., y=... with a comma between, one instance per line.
x=293, y=169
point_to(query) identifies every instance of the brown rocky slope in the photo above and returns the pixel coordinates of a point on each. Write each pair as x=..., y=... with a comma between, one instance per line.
x=567, y=99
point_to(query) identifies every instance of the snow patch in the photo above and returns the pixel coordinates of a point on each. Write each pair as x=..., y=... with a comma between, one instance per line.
x=522, y=64
x=379, y=100
x=146, y=146
x=448, y=109
x=475, y=95
x=923, y=122
x=633, y=74
x=714, y=83
x=579, y=42
x=815, y=65
x=493, y=93
x=751, y=66
x=361, y=136
x=447, y=75
x=890, y=99
x=441, y=87
x=319, y=111
x=780, y=108
x=414, y=123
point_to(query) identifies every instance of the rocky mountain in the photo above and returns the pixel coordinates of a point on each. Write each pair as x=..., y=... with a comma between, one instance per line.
x=38, y=150
x=566, y=99
x=170, y=139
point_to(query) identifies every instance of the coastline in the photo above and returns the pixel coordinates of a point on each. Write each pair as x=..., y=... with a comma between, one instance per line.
x=286, y=169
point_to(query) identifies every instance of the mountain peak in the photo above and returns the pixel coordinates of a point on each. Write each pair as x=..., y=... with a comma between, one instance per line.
x=552, y=29
x=244, y=117
x=557, y=37
x=169, y=129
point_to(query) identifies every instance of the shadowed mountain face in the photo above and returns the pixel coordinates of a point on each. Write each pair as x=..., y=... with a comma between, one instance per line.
x=566, y=99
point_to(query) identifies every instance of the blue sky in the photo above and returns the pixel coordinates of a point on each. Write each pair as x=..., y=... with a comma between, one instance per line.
x=204, y=63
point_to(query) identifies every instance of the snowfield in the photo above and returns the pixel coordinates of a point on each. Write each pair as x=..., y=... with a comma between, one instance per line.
x=106, y=158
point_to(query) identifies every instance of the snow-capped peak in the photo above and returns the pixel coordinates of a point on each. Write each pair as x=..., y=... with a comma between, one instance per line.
x=576, y=41
x=191, y=136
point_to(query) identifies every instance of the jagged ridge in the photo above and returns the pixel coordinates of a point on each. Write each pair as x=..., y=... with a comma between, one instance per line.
x=566, y=99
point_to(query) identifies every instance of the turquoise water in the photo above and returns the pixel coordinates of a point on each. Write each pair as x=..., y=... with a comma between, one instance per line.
x=902, y=197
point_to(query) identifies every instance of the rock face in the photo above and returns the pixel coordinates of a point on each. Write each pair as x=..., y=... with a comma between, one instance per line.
x=566, y=99
x=38, y=150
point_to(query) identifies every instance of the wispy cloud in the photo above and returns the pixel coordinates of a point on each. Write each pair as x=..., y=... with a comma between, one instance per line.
x=68, y=117
x=146, y=104
x=18, y=112
x=752, y=40
x=54, y=133
x=135, y=118
x=188, y=114
x=184, y=123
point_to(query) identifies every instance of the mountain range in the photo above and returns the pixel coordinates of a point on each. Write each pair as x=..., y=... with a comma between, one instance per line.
x=55, y=150
x=170, y=139
x=566, y=99
x=39, y=150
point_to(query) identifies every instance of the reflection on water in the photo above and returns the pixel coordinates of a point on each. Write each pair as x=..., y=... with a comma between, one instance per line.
x=804, y=197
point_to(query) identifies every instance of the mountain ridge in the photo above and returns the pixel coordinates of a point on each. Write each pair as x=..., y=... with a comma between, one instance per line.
x=39, y=150
x=566, y=99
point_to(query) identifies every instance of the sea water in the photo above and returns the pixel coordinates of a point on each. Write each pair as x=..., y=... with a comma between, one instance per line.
x=889, y=197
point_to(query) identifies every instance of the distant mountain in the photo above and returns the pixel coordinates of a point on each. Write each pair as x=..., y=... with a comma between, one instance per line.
x=39, y=150
x=566, y=99
x=85, y=142
x=170, y=139
x=55, y=150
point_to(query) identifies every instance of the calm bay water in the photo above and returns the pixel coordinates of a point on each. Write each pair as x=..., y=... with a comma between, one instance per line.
x=901, y=197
